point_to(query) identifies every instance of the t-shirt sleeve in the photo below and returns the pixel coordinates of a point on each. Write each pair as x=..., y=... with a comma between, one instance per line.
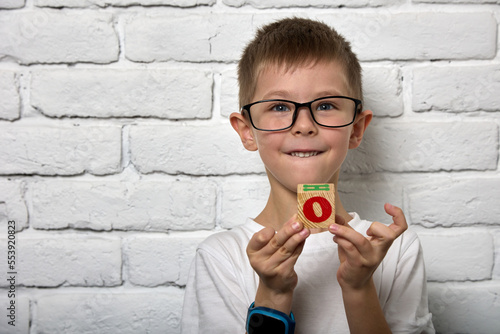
x=406, y=308
x=214, y=300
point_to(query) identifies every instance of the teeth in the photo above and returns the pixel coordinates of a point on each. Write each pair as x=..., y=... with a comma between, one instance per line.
x=304, y=154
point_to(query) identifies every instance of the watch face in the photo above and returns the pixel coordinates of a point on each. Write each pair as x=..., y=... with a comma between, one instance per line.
x=263, y=324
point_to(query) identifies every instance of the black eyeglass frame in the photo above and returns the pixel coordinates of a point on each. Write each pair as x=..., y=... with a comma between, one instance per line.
x=357, y=107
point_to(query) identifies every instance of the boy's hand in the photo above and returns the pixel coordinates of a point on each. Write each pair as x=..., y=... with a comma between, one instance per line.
x=360, y=256
x=273, y=257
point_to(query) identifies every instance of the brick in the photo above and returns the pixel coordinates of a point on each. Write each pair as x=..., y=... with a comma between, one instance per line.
x=465, y=307
x=215, y=37
x=174, y=94
x=58, y=37
x=453, y=202
x=496, y=266
x=382, y=90
x=148, y=205
x=456, y=88
x=9, y=95
x=440, y=254
x=12, y=205
x=311, y=3
x=242, y=199
x=69, y=260
x=426, y=147
x=194, y=150
x=386, y=35
x=11, y=4
x=121, y=3
x=155, y=260
x=229, y=102
x=135, y=311
x=367, y=194
x=62, y=150
x=457, y=1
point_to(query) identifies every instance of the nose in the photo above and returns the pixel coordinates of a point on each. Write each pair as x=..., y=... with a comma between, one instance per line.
x=304, y=123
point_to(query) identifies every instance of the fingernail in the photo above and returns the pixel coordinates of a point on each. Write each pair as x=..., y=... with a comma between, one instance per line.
x=295, y=225
x=334, y=227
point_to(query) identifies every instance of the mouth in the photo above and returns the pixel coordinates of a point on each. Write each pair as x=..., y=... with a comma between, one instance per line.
x=304, y=154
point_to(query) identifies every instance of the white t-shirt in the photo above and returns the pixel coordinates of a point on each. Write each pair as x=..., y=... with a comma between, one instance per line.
x=222, y=285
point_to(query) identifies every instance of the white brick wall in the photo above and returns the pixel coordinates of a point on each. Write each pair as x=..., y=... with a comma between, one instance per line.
x=117, y=159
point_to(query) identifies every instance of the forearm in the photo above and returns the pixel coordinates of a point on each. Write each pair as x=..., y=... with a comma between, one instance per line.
x=363, y=310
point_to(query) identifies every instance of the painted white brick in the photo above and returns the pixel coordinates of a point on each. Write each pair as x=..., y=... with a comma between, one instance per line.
x=195, y=38
x=455, y=202
x=387, y=34
x=242, y=199
x=60, y=150
x=70, y=260
x=9, y=4
x=496, y=266
x=121, y=3
x=457, y=1
x=176, y=93
x=382, y=90
x=105, y=205
x=229, y=102
x=9, y=95
x=156, y=311
x=311, y=3
x=441, y=247
x=465, y=307
x=456, y=88
x=425, y=146
x=12, y=205
x=155, y=260
x=366, y=195
x=195, y=150
x=58, y=37
x=22, y=312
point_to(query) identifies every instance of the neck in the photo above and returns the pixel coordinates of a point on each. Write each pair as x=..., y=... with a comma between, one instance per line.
x=282, y=205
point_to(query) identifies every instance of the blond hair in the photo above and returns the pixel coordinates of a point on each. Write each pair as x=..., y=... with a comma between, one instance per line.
x=293, y=42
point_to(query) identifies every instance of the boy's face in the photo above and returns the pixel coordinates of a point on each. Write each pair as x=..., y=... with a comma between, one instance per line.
x=307, y=152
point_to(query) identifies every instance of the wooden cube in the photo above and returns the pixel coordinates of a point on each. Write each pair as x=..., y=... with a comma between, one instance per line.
x=316, y=204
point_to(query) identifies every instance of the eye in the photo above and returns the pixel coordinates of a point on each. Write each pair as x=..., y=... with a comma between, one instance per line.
x=280, y=107
x=326, y=106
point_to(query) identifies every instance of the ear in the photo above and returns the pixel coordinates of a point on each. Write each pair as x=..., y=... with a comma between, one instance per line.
x=359, y=127
x=244, y=129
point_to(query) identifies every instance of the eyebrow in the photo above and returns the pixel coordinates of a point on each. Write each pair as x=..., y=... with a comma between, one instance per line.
x=285, y=95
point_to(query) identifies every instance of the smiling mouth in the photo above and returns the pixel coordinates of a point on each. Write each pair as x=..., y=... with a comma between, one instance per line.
x=304, y=154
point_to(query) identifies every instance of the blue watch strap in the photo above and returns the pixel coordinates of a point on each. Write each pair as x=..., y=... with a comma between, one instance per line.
x=259, y=317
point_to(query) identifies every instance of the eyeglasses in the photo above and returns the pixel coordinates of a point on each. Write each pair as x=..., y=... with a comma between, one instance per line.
x=279, y=115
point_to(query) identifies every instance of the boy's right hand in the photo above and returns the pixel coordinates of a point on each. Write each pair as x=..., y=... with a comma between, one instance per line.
x=273, y=256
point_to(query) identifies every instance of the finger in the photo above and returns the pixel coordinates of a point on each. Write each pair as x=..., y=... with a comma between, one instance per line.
x=399, y=224
x=292, y=247
x=381, y=231
x=339, y=220
x=292, y=259
x=260, y=239
x=348, y=251
x=352, y=236
x=291, y=227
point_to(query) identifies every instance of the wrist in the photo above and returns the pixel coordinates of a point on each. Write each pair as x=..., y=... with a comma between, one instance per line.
x=277, y=300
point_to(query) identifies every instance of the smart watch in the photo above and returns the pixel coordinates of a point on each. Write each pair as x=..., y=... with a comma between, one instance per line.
x=263, y=320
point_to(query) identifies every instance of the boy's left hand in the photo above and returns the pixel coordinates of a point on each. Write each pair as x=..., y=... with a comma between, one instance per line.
x=359, y=255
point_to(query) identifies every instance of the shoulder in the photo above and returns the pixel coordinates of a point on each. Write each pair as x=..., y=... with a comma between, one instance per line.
x=228, y=244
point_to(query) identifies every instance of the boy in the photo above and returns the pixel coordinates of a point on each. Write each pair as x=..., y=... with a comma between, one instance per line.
x=272, y=275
